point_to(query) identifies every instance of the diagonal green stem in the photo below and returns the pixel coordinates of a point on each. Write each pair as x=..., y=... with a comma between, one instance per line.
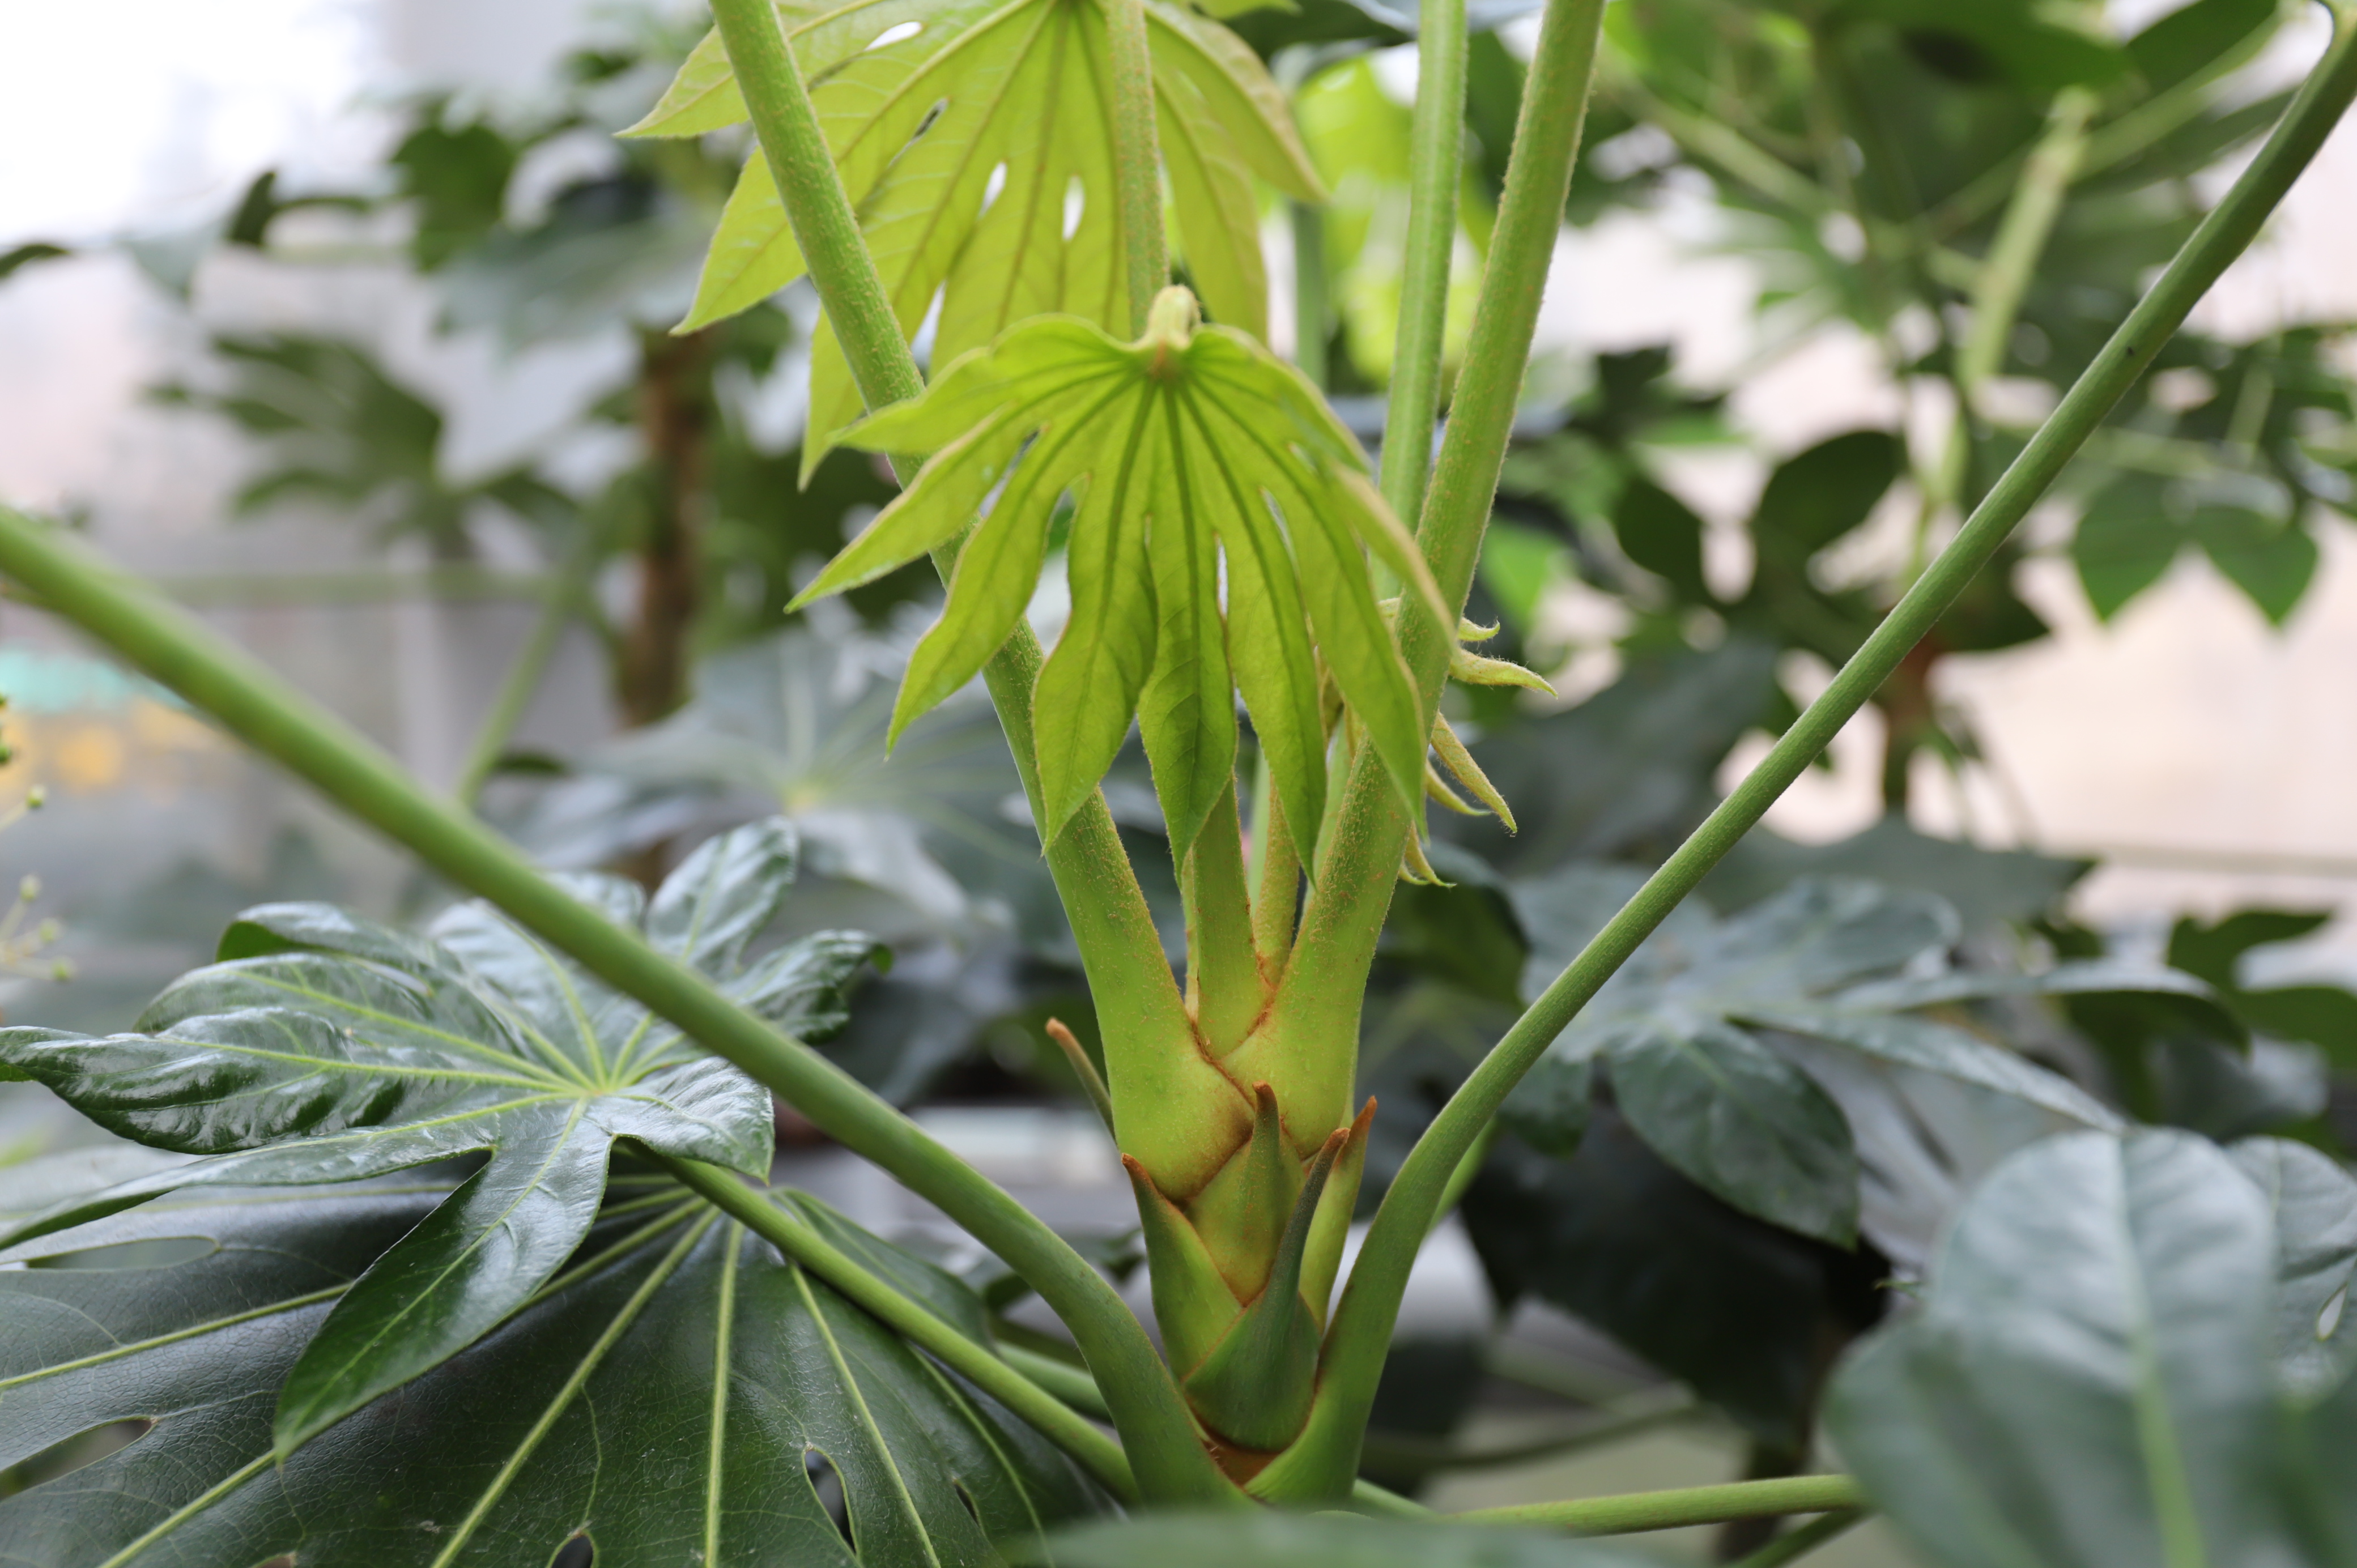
x=1363, y=1322
x=268, y=714
x=1634, y=1511
x=910, y=1318
x=1435, y=162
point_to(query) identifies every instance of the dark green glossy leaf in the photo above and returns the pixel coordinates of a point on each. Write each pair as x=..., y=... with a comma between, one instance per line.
x=679, y=1393
x=1743, y=1312
x=2088, y=1381
x=1724, y=1109
x=337, y=1049
x=1681, y=1027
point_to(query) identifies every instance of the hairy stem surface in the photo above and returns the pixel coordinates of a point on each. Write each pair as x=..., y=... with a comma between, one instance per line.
x=1435, y=162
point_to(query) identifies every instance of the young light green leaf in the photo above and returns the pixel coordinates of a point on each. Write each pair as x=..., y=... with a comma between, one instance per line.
x=334, y=1049
x=1188, y=448
x=975, y=142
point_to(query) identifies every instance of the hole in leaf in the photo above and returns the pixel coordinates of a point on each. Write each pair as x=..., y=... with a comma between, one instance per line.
x=64, y=1457
x=967, y=1498
x=2328, y=1318
x=159, y=1253
x=826, y=1483
x=1076, y=203
x=894, y=34
x=992, y=187
x=577, y=1553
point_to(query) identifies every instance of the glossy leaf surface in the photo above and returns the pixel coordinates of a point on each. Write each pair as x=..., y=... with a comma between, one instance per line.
x=678, y=1393
x=1193, y=456
x=329, y=1049
x=2089, y=1381
x=975, y=142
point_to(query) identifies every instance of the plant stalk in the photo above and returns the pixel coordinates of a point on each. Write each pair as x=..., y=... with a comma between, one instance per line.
x=1318, y=1002
x=1137, y=158
x=562, y=599
x=263, y=710
x=1435, y=163
x=1635, y=1511
x=1370, y=1303
x=970, y=1358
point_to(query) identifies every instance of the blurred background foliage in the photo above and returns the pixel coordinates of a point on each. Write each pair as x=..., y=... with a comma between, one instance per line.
x=1978, y=189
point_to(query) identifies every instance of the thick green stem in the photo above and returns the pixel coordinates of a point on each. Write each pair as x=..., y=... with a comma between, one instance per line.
x=1435, y=161
x=906, y=1316
x=1317, y=1007
x=1137, y=158
x=1363, y=1322
x=1222, y=970
x=1140, y=1014
x=563, y=601
x=1313, y=312
x=267, y=712
x=1635, y=1511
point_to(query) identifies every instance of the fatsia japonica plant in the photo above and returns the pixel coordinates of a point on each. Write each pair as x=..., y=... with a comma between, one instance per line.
x=513, y=1280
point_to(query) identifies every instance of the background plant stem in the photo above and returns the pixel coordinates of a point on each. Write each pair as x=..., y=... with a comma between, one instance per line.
x=1676, y=1510
x=1363, y=1322
x=1435, y=162
x=561, y=602
x=910, y=1318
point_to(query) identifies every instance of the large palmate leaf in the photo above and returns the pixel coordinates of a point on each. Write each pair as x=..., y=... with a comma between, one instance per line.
x=1688, y=1029
x=2089, y=1383
x=679, y=1393
x=327, y=1048
x=975, y=141
x=1195, y=458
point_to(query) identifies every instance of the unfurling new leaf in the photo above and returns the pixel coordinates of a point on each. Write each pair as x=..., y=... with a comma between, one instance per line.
x=975, y=142
x=1198, y=462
